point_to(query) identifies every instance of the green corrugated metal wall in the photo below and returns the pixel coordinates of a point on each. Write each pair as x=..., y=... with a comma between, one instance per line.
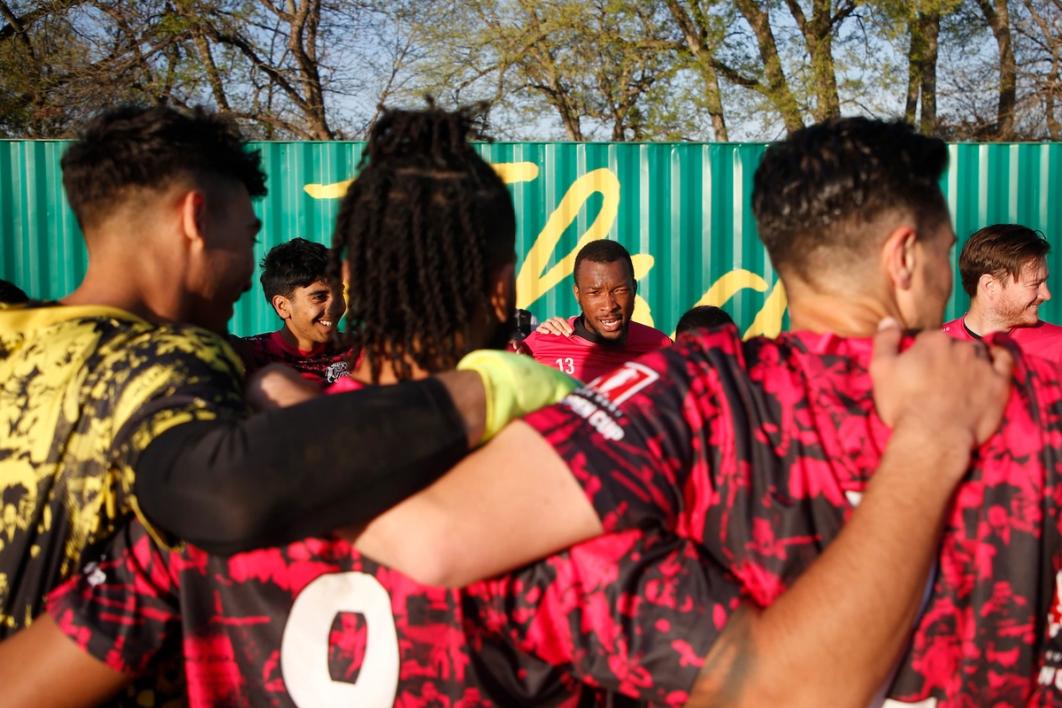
x=681, y=209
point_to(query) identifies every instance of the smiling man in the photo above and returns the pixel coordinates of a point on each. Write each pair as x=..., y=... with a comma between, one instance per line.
x=603, y=337
x=295, y=282
x=1004, y=271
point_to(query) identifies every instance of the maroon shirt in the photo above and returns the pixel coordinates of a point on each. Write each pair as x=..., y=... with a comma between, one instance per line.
x=586, y=360
x=323, y=364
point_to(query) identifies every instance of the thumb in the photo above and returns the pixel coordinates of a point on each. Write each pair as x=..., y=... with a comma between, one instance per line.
x=886, y=343
x=1002, y=361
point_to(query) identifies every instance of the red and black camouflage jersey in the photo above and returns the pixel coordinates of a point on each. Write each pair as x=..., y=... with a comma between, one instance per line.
x=316, y=623
x=759, y=450
x=323, y=364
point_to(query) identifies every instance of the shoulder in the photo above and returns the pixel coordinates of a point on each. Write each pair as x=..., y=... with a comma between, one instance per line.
x=182, y=344
x=955, y=329
x=647, y=337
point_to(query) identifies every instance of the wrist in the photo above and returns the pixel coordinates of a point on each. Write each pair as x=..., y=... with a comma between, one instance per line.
x=936, y=444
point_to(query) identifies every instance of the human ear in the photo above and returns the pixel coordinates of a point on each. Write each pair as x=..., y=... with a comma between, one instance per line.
x=900, y=256
x=503, y=292
x=192, y=208
x=283, y=306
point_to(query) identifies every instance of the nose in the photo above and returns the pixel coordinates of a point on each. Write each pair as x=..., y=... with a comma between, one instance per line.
x=1045, y=293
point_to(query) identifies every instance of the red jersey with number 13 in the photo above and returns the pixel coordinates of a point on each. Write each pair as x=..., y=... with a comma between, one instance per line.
x=586, y=360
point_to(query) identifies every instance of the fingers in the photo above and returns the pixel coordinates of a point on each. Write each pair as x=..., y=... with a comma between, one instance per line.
x=886, y=343
x=555, y=325
x=1002, y=361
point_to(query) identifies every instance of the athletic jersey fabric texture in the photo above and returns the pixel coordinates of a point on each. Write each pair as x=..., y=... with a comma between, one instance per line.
x=1042, y=339
x=586, y=360
x=758, y=451
x=83, y=391
x=317, y=623
x=322, y=364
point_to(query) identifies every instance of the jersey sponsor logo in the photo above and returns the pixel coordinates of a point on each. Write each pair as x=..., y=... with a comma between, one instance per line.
x=624, y=382
x=336, y=370
x=304, y=648
x=598, y=419
x=1054, y=615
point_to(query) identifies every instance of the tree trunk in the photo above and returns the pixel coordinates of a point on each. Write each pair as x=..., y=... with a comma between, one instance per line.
x=777, y=89
x=931, y=24
x=694, y=35
x=998, y=17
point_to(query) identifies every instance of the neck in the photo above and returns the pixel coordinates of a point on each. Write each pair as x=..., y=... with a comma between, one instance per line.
x=142, y=288
x=981, y=321
x=363, y=372
x=847, y=315
x=299, y=344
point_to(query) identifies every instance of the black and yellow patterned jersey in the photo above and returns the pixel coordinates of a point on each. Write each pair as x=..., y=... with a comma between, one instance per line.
x=83, y=391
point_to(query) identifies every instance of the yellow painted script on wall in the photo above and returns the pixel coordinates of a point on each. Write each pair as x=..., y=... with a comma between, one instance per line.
x=534, y=279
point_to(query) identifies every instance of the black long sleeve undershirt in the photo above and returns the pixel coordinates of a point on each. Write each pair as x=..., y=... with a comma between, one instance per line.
x=333, y=462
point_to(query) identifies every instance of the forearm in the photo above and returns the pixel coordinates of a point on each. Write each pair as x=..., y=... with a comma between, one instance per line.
x=285, y=474
x=834, y=636
x=40, y=666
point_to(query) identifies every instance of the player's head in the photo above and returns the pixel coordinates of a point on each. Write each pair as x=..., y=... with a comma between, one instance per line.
x=1004, y=271
x=295, y=282
x=702, y=317
x=605, y=288
x=173, y=188
x=11, y=294
x=428, y=232
x=851, y=207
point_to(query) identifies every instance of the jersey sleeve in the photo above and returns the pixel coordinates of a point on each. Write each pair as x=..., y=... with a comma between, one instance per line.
x=163, y=379
x=638, y=440
x=123, y=607
x=631, y=613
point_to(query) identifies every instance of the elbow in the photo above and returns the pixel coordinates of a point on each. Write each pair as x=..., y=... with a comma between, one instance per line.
x=419, y=544
x=222, y=524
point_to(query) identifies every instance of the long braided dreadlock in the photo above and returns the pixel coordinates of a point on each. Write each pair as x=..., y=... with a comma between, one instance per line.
x=424, y=228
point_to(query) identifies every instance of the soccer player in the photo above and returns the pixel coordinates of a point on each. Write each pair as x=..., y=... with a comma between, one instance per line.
x=632, y=612
x=702, y=317
x=295, y=282
x=603, y=336
x=114, y=403
x=1004, y=271
x=761, y=451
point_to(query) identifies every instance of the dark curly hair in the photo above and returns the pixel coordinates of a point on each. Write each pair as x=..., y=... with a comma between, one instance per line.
x=149, y=147
x=293, y=264
x=815, y=191
x=424, y=227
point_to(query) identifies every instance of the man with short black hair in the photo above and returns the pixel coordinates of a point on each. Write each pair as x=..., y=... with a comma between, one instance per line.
x=604, y=336
x=1004, y=271
x=702, y=317
x=295, y=283
x=124, y=399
